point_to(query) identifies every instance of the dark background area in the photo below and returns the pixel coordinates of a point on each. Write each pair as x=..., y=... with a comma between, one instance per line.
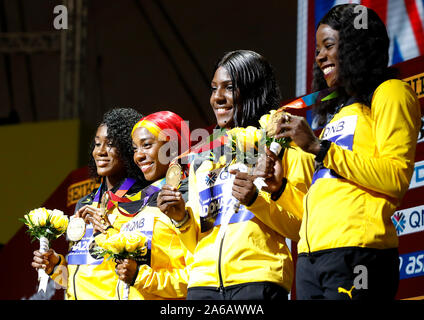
x=147, y=54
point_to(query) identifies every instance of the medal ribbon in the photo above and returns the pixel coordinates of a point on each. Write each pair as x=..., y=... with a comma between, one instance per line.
x=147, y=192
x=123, y=189
x=311, y=99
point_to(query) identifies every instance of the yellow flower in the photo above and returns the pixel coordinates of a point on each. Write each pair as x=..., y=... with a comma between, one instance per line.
x=129, y=241
x=58, y=220
x=253, y=136
x=246, y=138
x=115, y=243
x=38, y=216
x=232, y=134
x=264, y=120
x=241, y=139
x=101, y=240
x=28, y=219
x=134, y=240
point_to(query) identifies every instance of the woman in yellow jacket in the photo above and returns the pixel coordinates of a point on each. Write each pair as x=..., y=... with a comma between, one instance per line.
x=165, y=276
x=235, y=254
x=84, y=275
x=364, y=163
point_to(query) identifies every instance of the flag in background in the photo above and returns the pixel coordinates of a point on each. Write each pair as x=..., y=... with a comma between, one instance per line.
x=404, y=20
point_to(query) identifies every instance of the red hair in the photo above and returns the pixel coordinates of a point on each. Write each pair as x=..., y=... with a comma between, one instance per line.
x=167, y=120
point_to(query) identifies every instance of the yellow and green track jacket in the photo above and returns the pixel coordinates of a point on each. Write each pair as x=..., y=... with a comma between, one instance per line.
x=165, y=277
x=367, y=171
x=231, y=248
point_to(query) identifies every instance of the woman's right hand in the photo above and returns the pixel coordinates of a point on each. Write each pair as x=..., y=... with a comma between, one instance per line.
x=298, y=129
x=46, y=261
x=171, y=202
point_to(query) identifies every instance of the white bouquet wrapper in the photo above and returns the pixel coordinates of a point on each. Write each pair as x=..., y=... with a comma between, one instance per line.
x=126, y=292
x=43, y=278
x=275, y=148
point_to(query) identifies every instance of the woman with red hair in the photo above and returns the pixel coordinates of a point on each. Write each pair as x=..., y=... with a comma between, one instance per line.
x=165, y=126
x=157, y=139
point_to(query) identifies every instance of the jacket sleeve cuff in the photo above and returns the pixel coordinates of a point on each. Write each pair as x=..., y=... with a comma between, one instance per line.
x=276, y=195
x=255, y=196
x=135, y=275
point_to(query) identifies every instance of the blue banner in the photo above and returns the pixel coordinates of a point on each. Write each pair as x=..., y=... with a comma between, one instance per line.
x=411, y=265
x=341, y=132
x=215, y=203
x=80, y=251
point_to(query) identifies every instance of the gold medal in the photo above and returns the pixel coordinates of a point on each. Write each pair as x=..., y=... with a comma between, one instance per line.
x=76, y=229
x=173, y=175
x=272, y=125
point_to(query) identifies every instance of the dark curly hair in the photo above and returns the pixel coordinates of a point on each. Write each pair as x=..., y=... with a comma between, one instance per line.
x=363, y=58
x=254, y=77
x=119, y=123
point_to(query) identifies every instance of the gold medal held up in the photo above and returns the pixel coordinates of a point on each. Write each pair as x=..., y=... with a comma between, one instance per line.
x=272, y=125
x=173, y=175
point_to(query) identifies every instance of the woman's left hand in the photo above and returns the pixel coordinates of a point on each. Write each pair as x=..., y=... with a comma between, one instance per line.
x=243, y=188
x=126, y=269
x=298, y=129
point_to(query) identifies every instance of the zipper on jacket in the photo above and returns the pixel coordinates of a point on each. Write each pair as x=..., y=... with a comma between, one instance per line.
x=221, y=282
x=74, y=280
x=117, y=290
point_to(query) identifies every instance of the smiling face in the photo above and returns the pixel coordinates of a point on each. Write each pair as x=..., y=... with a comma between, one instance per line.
x=327, y=53
x=222, y=100
x=146, y=154
x=106, y=157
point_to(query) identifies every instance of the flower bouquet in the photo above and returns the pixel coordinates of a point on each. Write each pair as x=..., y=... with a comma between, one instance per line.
x=123, y=245
x=45, y=225
x=245, y=144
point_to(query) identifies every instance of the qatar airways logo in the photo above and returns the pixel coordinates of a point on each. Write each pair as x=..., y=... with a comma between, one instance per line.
x=410, y=220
